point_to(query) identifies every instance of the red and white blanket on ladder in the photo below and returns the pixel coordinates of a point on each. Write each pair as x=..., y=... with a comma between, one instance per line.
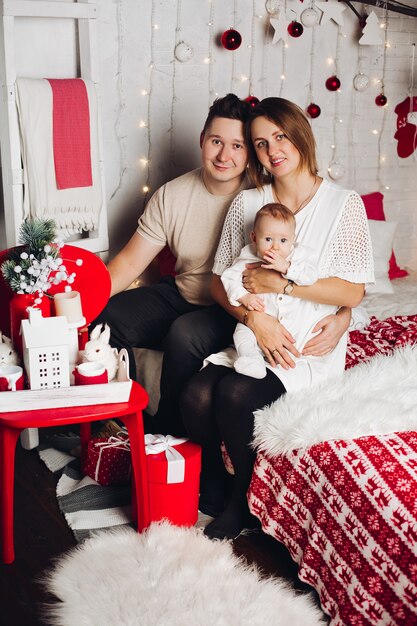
x=346, y=508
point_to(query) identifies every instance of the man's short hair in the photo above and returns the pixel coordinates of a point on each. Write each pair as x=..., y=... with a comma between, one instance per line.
x=230, y=107
x=277, y=210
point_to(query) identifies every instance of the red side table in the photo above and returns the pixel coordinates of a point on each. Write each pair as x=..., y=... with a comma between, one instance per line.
x=11, y=425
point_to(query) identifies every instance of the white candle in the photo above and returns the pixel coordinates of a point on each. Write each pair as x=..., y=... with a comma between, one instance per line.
x=68, y=303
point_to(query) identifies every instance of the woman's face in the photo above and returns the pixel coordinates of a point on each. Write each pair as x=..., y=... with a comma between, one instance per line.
x=274, y=150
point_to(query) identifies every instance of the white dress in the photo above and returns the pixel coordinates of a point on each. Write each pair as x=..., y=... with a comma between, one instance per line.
x=334, y=224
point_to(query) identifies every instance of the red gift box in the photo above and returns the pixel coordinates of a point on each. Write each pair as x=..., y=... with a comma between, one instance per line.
x=107, y=460
x=174, y=479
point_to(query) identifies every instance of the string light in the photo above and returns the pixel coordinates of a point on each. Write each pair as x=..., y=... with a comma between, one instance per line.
x=336, y=170
x=283, y=58
x=147, y=187
x=174, y=95
x=210, y=53
x=121, y=140
x=384, y=109
x=233, y=79
x=310, y=96
x=252, y=49
x=265, y=58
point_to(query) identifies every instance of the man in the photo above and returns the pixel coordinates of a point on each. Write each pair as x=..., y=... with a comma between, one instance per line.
x=187, y=214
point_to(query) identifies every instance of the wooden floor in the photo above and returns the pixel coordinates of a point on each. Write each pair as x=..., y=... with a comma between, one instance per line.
x=41, y=533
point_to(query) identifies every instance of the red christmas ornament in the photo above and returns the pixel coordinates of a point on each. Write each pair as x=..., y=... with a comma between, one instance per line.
x=333, y=83
x=295, y=29
x=231, y=39
x=313, y=110
x=381, y=100
x=253, y=100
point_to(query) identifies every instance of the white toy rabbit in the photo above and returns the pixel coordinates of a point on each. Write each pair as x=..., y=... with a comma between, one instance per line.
x=98, y=350
x=8, y=355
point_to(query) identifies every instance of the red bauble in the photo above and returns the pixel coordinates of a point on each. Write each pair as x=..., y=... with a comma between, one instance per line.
x=231, y=39
x=295, y=29
x=253, y=100
x=333, y=83
x=313, y=110
x=381, y=100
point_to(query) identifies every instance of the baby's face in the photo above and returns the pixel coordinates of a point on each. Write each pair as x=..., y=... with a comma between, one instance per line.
x=274, y=234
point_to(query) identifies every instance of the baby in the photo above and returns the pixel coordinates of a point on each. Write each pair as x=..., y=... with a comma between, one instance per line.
x=273, y=243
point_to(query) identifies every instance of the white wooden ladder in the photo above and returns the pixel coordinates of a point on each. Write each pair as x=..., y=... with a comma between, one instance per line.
x=85, y=12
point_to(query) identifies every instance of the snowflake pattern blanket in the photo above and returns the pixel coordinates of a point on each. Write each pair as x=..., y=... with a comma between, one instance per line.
x=335, y=480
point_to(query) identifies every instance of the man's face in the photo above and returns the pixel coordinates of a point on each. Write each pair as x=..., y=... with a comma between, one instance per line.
x=223, y=150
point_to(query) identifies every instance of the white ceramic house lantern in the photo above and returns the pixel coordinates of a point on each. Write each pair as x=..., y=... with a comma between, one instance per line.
x=46, y=350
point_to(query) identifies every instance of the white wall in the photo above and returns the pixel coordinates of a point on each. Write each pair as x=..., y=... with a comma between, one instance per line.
x=136, y=42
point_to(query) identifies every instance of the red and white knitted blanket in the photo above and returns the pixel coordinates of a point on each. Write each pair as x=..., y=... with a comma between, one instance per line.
x=335, y=480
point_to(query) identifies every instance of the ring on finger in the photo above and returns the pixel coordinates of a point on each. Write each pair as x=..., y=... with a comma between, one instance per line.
x=276, y=350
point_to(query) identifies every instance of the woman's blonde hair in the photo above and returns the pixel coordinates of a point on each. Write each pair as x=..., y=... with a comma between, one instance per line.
x=293, y=122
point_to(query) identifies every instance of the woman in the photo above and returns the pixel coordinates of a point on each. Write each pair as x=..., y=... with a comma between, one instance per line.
x=218, y=403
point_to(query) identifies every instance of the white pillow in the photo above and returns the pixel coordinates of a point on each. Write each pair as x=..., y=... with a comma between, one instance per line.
x=382, y=236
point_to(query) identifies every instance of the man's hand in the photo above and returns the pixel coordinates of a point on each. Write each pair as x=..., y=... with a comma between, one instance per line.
x=331, y=328
x=257, y=279
x=273, y=338
x=252, y=302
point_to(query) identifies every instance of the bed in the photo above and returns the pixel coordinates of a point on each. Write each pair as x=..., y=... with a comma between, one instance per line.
x=335, y=478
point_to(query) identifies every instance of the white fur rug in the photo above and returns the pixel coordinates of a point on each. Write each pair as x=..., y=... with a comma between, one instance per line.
x=375, y=398
x=168, y=576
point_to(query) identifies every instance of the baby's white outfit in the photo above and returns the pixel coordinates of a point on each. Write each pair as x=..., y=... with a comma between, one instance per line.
x=302, y=271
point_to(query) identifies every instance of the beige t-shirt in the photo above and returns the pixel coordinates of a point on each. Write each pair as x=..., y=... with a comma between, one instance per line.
x=187, y=217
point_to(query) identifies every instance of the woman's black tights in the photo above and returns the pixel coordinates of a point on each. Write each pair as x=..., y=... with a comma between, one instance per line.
x=217, y=405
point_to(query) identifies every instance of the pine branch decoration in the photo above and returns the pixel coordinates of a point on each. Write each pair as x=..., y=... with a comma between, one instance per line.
x=36, y=233
x=37, y=264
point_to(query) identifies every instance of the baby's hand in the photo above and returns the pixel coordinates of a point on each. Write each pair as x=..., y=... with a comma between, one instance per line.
x=252, y=302
x=275, y=261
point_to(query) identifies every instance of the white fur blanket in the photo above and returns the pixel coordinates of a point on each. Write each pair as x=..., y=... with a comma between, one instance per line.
x=374, y=398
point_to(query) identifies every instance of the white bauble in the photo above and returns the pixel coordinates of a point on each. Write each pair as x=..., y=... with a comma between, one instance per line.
x=273, y=7
x=309, y=17
x=183, y=52
x=361, y=82
x=336, y=170
x=412, y=118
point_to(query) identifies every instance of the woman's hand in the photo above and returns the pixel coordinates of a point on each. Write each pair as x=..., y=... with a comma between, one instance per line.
x=260, y=280
x=332, y=328
x=273, y=338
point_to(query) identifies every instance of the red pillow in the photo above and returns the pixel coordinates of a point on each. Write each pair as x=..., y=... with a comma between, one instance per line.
x=374, y=206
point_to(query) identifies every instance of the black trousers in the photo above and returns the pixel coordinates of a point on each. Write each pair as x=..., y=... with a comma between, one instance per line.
x=158, y=317
x=218, y=404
